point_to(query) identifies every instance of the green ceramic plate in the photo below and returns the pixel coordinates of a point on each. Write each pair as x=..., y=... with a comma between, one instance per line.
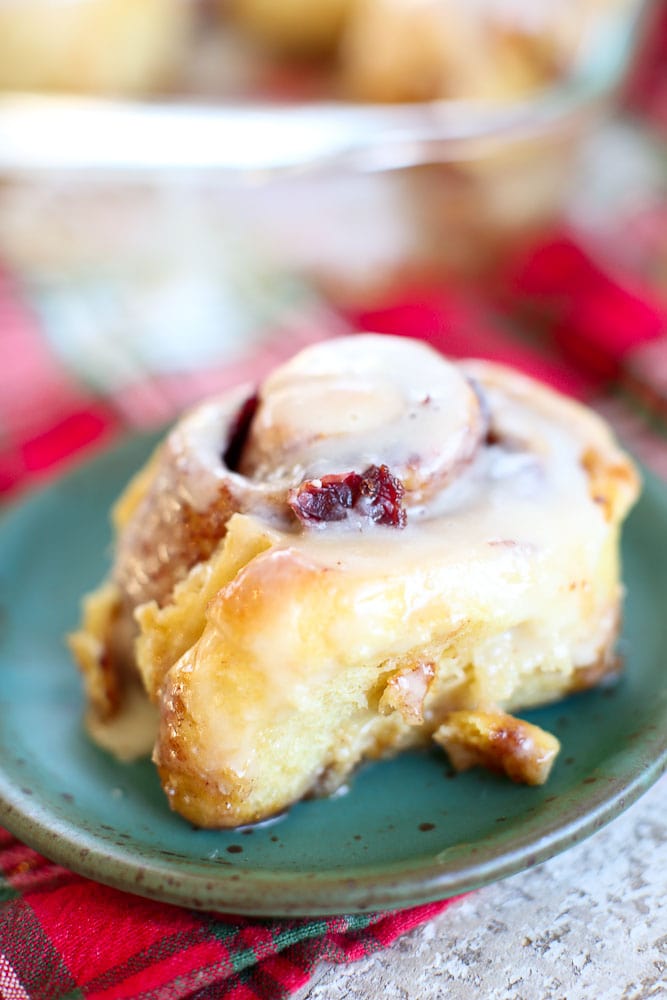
x=406, y=832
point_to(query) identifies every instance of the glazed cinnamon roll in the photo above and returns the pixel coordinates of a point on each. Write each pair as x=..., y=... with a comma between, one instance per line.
x=377, y=549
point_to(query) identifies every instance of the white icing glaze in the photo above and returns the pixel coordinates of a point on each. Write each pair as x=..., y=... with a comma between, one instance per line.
x=346, y=404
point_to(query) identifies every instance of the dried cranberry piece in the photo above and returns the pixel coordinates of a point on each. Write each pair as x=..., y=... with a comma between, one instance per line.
x=383, y=496
x=326, y=499
x=375, y=494
x=238, y=434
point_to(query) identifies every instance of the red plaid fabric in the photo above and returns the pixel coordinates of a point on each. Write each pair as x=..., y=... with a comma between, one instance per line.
x=63, y=937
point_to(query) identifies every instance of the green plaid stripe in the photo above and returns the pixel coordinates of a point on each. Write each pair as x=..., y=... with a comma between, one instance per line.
x=262, y=983
x=246, y=953
x=6, y=891
x=303, y=942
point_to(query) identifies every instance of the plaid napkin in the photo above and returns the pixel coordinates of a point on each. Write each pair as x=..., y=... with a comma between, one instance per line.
x=63, y=937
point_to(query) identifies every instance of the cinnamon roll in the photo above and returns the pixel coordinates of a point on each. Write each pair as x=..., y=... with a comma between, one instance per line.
x=377, y=549
x=422, y=50
x=106, y=47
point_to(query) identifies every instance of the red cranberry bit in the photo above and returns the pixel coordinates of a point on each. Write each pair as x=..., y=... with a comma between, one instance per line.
x=375, y=494
x=238, y=434
x=326, y=499
x=383, y=496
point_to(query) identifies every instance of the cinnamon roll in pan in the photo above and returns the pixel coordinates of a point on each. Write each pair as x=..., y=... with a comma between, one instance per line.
x=377, y=549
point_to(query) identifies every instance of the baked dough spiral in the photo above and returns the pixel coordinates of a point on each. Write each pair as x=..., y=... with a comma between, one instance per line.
x=377, y=549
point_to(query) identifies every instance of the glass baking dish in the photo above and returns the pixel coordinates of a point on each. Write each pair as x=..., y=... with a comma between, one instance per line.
x=343, y=193
x=215, y=125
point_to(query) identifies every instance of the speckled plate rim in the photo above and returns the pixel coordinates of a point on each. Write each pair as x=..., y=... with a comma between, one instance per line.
x=310, y=893
x=199, y=884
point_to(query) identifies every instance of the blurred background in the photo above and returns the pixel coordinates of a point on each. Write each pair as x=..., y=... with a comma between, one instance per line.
x=192, y=189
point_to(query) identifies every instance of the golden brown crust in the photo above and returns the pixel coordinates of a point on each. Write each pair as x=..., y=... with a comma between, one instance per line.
x=93, y=649
x=498, y=742
x=610, y=481
x=292, y=27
